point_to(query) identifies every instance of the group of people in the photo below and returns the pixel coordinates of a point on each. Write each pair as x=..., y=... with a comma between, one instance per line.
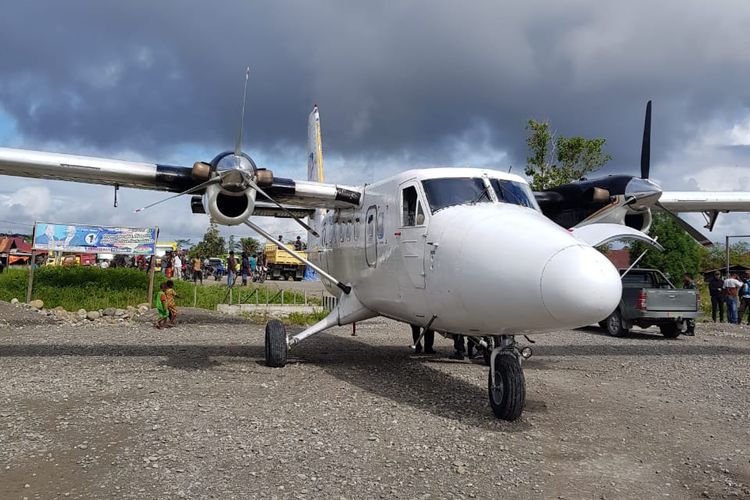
x=731, y=293
x=174, y=264
x=460, y=347
x=247, y=266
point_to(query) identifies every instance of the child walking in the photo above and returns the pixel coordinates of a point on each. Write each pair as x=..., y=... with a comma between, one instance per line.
x=161, y=306
x=171, y=304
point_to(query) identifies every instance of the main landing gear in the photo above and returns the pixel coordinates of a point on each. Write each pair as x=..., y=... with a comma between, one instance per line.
x=276, y=344
x=506, y=384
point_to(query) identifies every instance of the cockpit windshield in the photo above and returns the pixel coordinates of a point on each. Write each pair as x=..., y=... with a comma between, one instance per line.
x=450, y=191
x=516, y=193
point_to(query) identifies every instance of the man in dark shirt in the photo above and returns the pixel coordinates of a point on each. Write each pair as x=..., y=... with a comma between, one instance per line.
x=716, y=289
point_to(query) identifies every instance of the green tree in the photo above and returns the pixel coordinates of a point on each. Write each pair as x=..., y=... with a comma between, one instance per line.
x=682, y=254
x=715, y=257
x=212, y=244
x=553, y=161
x=249, y=245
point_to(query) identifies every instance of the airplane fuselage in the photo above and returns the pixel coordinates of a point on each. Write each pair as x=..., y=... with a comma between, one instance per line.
x=485, y=267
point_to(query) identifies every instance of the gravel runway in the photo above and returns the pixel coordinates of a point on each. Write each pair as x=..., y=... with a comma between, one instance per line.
x=126, y=411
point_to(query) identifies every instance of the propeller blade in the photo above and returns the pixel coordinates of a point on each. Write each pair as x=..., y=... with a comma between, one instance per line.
x=189, y=191
x=646, y=144
x=282, y=207
x=238, y=145
x=696, y=235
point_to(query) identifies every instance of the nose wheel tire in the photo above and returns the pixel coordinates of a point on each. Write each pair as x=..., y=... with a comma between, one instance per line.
x=508, y=395
x=276, y=344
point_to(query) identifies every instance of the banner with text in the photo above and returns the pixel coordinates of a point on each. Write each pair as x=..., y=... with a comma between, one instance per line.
x=77, y=238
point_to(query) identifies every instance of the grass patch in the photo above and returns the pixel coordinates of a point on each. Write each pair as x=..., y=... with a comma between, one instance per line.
x=297, y=318
x=93, y=288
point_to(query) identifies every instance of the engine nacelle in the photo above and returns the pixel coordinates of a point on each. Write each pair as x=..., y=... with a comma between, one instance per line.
x=640, y=220
x=229, y=208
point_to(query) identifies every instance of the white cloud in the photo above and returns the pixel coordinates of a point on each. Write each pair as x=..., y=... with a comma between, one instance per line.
x=32, y=201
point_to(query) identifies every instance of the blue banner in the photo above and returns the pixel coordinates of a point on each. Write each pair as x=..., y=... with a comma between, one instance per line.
x=75, y=238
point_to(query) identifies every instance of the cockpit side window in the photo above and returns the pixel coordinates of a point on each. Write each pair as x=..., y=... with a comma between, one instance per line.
x=409, y=204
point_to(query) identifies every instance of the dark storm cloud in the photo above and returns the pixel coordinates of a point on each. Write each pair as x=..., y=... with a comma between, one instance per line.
x=393, y=79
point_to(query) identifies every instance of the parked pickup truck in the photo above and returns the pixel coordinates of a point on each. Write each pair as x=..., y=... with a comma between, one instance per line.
x=648, y=298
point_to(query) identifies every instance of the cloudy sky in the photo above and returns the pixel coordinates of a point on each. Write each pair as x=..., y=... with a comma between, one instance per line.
x=399, y=85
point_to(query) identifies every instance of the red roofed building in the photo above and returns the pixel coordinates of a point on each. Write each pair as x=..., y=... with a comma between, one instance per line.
x=14, y=245
x=13, y=250
x=620, y=258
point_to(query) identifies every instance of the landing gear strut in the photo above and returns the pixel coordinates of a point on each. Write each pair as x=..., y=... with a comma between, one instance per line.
x=506, y=383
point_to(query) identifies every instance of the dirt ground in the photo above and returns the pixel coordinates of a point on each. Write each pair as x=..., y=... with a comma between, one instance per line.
x=126, y=411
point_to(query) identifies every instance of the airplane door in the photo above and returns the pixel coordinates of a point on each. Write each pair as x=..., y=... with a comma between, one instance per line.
x=413, y=230
x=371, y=241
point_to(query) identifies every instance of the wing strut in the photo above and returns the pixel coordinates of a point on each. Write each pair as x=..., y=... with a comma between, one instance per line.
x=345, y=288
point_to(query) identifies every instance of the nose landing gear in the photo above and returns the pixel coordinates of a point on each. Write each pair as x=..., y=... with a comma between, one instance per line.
x=506, y=383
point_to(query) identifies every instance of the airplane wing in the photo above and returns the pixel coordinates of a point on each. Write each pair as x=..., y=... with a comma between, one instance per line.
x=154, y=176
x=705, y=201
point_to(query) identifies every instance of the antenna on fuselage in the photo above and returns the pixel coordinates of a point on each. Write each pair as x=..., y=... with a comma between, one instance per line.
x=238, y=145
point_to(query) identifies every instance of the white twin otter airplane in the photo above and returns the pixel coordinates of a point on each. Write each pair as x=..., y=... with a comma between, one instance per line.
x=410, y=246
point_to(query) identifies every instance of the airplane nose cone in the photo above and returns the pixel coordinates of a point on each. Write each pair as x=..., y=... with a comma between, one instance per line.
x=580, y=286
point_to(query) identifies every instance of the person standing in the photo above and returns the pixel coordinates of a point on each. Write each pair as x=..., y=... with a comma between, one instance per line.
x=429, y=340
x=171, y=302
x=197, y=264
x=459, y=347
x=231, y=269
x=298, y=244
x=689, y=283
x=745, y=298
x=161, y=307
x=732, y=288
x=253, y=266
x=716, y=289
x=244, y=268
x=177, y=266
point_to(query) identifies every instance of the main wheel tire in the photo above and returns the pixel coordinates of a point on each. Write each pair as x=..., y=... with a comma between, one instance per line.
x=614, y=324
x=508, y=396
x=276, y=345
x=670, y=330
